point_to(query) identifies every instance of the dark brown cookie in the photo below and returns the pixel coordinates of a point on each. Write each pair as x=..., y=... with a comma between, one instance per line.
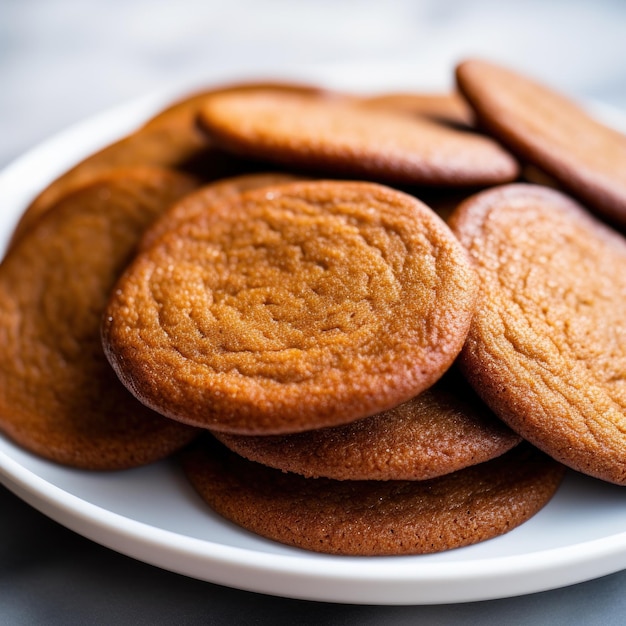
x=372, y=518
x=59, y=397
x=292, y=307
x=547, y=346
x=444, y=429
x=341, y=138
x=550, y=131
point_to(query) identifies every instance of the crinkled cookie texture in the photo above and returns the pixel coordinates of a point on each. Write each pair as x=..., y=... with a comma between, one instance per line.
x=341, y=138
x=59, y=397
x=547, y=346
x=375, y=518
x=444, y=429
x=550, y=131
x=292, y=307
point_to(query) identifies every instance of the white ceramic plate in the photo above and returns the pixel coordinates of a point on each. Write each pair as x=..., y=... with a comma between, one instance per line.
x=153, y=515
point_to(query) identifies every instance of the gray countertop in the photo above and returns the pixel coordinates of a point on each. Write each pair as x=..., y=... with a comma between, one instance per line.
x=62, y=61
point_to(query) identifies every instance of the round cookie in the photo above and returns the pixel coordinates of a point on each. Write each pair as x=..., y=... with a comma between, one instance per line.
x=444, y=429
x=375, y=518
x=195, y=204
x=347, y=139
x=550, y=131
x=292, y=307
x=547, y=346
x=59, y=397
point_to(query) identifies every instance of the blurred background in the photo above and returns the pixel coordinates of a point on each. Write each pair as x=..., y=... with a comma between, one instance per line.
x=64, y=60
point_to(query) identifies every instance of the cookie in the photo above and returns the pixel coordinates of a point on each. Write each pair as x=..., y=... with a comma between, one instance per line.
x=444, y=429
x=547, y=346
x=195, y=204
x=345, y=139
x=548, y=130
x=448, y=108
x=292, y=307
x=375, y=518
x=59, y=397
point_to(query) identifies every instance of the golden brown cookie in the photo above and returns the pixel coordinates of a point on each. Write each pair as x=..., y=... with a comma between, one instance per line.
x=345, y=139
x=550, y=131
x=292, y=307
x=59, y=397
x=444, y=429
x=449, y=108
x=195, y=204
x=547, y=346
x=372, y=518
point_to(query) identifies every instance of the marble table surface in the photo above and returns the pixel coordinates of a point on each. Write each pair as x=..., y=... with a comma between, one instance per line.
x=62, y=61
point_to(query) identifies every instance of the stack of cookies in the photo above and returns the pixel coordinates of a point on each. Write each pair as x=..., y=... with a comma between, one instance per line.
x=361, y=325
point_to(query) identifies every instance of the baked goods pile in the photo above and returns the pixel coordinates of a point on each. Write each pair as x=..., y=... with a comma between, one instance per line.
x=363, y=325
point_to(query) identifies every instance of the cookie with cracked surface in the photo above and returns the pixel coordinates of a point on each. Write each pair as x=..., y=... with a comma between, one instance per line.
x=547, y=346
x=59, y=397
x=375, y=518
x=292, y=307
x=547, y=129
x=444, y=429
x=340, y=138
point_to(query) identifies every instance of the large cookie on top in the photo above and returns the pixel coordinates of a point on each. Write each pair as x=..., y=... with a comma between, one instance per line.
x=547, y=346
x=375, y=518
x=292, y=307
x=59, y=397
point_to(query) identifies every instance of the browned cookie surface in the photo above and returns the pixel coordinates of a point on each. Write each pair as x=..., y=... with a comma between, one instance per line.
x=59, y=397
x=343, y=138
x=196, y=203
x=372, y=518
x=547, y=129
x=440, y=431
x=292, y=307
x=547, y=346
